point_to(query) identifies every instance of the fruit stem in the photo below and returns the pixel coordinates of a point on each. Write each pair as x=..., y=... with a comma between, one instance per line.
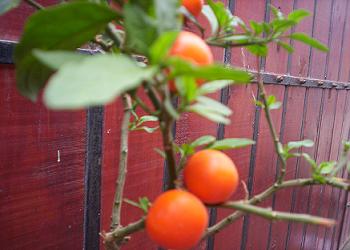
x=118, y=196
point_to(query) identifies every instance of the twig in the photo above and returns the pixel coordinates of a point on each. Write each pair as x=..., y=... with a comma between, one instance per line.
x=335, y=182
x=118, y=196
x=143, y=105
x=112, y=239
x=276, y=215
x=35, y=4
x=277, y=143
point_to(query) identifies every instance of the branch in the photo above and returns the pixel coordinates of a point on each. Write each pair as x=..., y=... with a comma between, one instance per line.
x=118, y=196
x=275, y=215
x=277, y=143
x=335, y=182
x=35, y=4
x=113, y=239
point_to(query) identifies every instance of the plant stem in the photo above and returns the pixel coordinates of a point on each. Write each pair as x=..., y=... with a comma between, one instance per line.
x=143, y=105
x=276, y=215
x=34, y=4
x=113, y=239
x=118, y=196
x=335, y=182
x=277, y=143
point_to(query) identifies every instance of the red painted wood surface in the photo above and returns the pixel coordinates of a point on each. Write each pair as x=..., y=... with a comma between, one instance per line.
x=42, y=157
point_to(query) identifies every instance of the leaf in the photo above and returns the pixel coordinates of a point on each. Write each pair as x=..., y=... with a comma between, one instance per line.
x=187, y=88
x=299, y=144
x=147, y=118
x=211, y=87
x=213, y=72
x=61, y=27
x=160, y=152
x=160, y=48
x=258, y=49
x=213, y=21
x=256, y=27
x=6, y=5
x=231, y=143
x=272, y=104
x=304, y=38
x=276, y=13
x=56, y=59
x=281, y=26
x=285, y=46
x=208, y=113
x=144, y=204
x=97, y=80
x=167, y=17
x=216, y=106
x=298, y=15
x=223, y=15
x=141, y=30
x=203, y=140
x=326, y=167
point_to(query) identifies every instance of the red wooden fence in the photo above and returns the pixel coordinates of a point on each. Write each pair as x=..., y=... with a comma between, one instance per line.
x=51, y=188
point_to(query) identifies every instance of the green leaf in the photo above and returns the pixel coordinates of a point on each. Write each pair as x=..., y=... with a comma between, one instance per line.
x=144, y=204
x=211, y=87
x=167, y=17
x=276, y=13
x=256, y=27
x=298, y=15
x=281, y=26
x=160, y=152
x=223, y=15
x=299, y=144
x=326, y=167
x=213, y=72
x=214, y=105
x=208, y=113
x=61, y=27
x=97, y=80
x=213, y=21
x=272, y=103
x=141, y=29
x=304, y=38
x=160, y=48
x=285, y=46
x=231, y=143
x=203, y=140
x=147, y=118
x=187, y=88
x=147, y=129
x=56, y=59
x=6, y=5
x=258, y=49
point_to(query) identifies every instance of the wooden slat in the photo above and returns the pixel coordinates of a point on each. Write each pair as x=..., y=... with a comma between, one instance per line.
x=42, y=157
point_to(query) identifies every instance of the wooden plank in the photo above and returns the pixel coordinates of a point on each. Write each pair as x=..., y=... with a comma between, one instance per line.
x=11, y=23
x=42, y=172
x=242, y=103
x=323, y=153
x=345, y=58
x=277, y=59
x=264, y=172
x=310, y=131
x=293, y=123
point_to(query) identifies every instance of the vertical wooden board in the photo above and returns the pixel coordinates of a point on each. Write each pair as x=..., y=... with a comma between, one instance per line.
x=329, y=198
x=293, y=122
x=321, y=32
x=247, y=10
x=242, y=121
x=264, y=171
x=323, y=151
x=345, y=233
x=42, y=156
x=12, y=23
x=299, y=60
x=277, y=59
x=338, y=136
x=341, y=209
x=345, y=55
x=310, y=131
x=144, y=176
x=337, y=36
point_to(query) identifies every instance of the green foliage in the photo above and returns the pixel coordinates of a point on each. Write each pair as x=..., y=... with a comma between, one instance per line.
x=304, y=38
x=94, y=81
x=143, y=203
x=160, y=48
x=62, y=27
x=231, y=143
x=6, y=5
x=138, y=123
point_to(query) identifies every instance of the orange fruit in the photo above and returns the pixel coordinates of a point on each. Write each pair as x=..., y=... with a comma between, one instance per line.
x=193, y=6
x=190, y=47
x=211, y=176
x=177, y=220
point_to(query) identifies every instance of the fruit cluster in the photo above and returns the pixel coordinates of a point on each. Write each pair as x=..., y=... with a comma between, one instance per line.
x=178, y=218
